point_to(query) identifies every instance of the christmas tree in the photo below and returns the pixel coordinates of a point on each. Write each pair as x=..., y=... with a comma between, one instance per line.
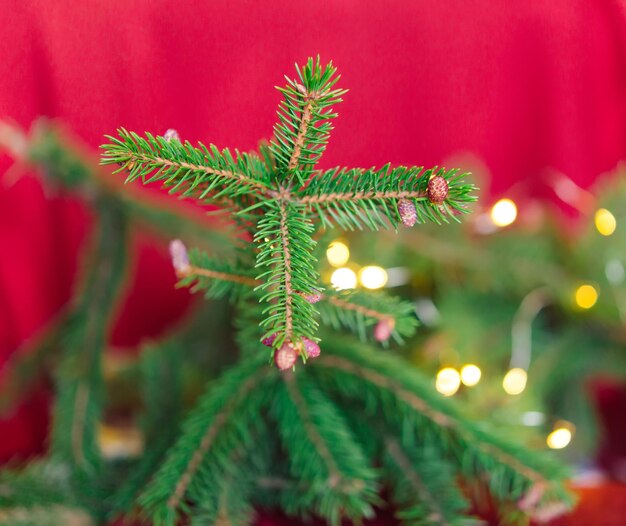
x=323, y=429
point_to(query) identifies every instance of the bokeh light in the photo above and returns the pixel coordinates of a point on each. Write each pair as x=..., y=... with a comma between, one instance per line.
x=338, y=254
x=559, y=438
x=373, y=277
x=343, y=278
x=470, y=374
x=586, y=296
x=504, y=212
x=448, y=381
x=605, y=222
x=514, y=381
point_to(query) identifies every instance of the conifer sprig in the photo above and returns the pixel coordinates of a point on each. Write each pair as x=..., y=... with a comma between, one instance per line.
x=281, y=199
x=358, y=199
x=203, y=173
x=303, y=129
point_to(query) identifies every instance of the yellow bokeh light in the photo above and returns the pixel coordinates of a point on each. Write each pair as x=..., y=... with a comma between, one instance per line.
x=559, y=438
x=514, y=381
x=448, y=381
x=470, y=374
x=338, y=254
x=343, y=278
x=504, y=212
x=586, y=296
x=605, y=222
x=373, y=277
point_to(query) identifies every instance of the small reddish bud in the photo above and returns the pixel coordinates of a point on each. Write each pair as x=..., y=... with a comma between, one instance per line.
x=269, y=341
x=313, y=298
x=171, y=134
x=180, y=258
x=285, y=357
x=407, y=211
x=311, y=348
x=383, y=330
x=437, y=190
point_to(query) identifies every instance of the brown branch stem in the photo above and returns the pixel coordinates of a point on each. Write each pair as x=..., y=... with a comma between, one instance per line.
x=214, y=274
x=343, y=304
x=307, y=114
x=356, y=196
x=284, y=234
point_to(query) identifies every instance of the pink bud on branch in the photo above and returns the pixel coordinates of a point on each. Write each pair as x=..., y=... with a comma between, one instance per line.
x=407, y=211
x=313, y=297
x=285, y=356
x=311, y=348
x=269, y=341
x=437, y=190
x=171, y=134
x=383, y=329
x=180, y=258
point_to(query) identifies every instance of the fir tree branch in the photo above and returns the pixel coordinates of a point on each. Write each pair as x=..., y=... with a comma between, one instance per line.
x=206, y=174
x=160, y=366
x=64, y=166
x=45, y=516
x=316, y=436
x=365, y=311
x=441, y=418
x=80, y=397
x=221, y=423
x=358, y=311
x=36, y=484
x=481, y=448
x=207, y=440
x=285, y=254
x=423, y=487
x=303, y=129
x=403, y=463
x=357, y=198
x=334, y=475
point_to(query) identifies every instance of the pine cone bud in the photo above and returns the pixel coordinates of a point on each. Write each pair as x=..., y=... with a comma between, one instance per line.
x=407, y=211
x=313, y=297
x=311, y=348
x=437, y=190
x=171, y=134
x=180, y=258
x=269, y=341
x=383, y=330
x=285, y=357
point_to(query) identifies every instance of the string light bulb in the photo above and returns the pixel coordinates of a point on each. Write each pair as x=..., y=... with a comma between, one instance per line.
x=470, y=374
x=586, y=296
x=373, y=277
x=343, y=278
x=561, y=435
x=338, y=254
x=448, y=381
x=514, y=381
x=605, y=222
x=504, y=212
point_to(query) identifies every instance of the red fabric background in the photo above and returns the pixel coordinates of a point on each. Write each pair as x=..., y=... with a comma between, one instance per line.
x=524, y=88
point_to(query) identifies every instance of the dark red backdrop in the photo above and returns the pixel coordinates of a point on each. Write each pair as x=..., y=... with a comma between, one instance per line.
x=524, y=89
